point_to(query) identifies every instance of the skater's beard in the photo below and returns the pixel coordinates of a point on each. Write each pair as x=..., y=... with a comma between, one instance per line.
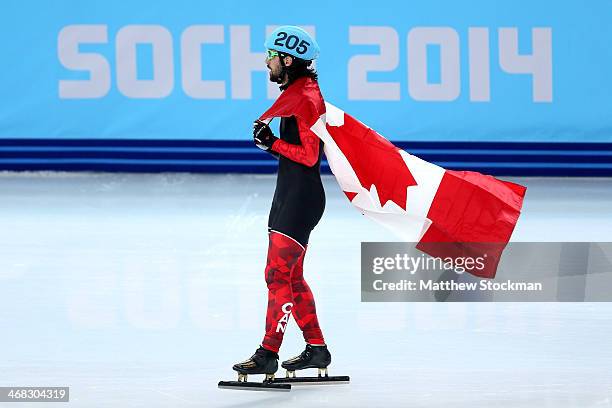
x=277, y=76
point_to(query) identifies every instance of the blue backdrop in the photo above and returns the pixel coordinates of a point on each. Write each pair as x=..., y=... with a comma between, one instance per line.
x=470, y=71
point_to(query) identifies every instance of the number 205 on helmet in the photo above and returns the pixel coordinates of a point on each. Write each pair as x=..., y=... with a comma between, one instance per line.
x=294, y=41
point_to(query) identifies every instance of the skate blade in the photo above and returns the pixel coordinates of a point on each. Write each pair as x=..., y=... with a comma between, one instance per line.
x=329, y=380
x=254, y=386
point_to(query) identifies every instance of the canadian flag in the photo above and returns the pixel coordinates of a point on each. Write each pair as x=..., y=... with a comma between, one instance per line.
x=472, y=214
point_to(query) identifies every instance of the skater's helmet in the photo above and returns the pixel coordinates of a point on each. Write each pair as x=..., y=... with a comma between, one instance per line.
x=293, y=41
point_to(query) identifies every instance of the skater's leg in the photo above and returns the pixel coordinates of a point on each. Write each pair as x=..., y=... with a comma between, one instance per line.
x=304, y=310
x=283, y=253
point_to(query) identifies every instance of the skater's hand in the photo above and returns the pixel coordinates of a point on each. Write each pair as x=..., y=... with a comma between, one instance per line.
x=263, y=136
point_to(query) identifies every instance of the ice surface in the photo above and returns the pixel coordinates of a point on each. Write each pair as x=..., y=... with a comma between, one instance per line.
x=143, y=290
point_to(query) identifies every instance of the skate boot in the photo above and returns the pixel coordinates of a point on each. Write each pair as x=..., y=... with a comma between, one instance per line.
x=312, y=357
x=262, y=362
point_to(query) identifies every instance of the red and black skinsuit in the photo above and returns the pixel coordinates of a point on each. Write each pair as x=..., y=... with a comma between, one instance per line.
x=297, y=207
x=299, y=198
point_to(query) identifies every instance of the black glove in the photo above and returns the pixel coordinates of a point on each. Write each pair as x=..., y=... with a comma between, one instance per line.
x=263, y=136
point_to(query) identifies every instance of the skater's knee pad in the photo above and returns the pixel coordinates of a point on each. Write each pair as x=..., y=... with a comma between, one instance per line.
x=276, y=277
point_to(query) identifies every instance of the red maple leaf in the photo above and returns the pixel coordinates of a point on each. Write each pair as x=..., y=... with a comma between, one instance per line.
x=375, y=160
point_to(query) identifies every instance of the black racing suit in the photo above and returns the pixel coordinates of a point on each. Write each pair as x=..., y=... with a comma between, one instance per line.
x=299, y=198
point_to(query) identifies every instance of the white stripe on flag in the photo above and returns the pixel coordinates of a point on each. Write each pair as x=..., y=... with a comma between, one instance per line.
x=409, y=224
x=428, y=177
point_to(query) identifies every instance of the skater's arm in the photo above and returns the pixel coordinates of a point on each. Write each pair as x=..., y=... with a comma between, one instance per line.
x=306, y=153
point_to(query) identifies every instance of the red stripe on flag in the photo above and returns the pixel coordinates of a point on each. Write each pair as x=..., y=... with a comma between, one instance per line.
x=475, y=211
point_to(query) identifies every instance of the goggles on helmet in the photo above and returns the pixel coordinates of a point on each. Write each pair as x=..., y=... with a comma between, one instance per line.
x=271, y=54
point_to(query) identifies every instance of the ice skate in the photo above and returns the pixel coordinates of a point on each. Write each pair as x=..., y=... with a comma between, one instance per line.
x=262, y=362
x=317, y=357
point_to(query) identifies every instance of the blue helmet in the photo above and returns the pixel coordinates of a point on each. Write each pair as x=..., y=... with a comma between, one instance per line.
x=294, y=41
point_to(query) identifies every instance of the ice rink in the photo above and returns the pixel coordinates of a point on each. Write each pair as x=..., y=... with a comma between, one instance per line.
x=142, y=290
